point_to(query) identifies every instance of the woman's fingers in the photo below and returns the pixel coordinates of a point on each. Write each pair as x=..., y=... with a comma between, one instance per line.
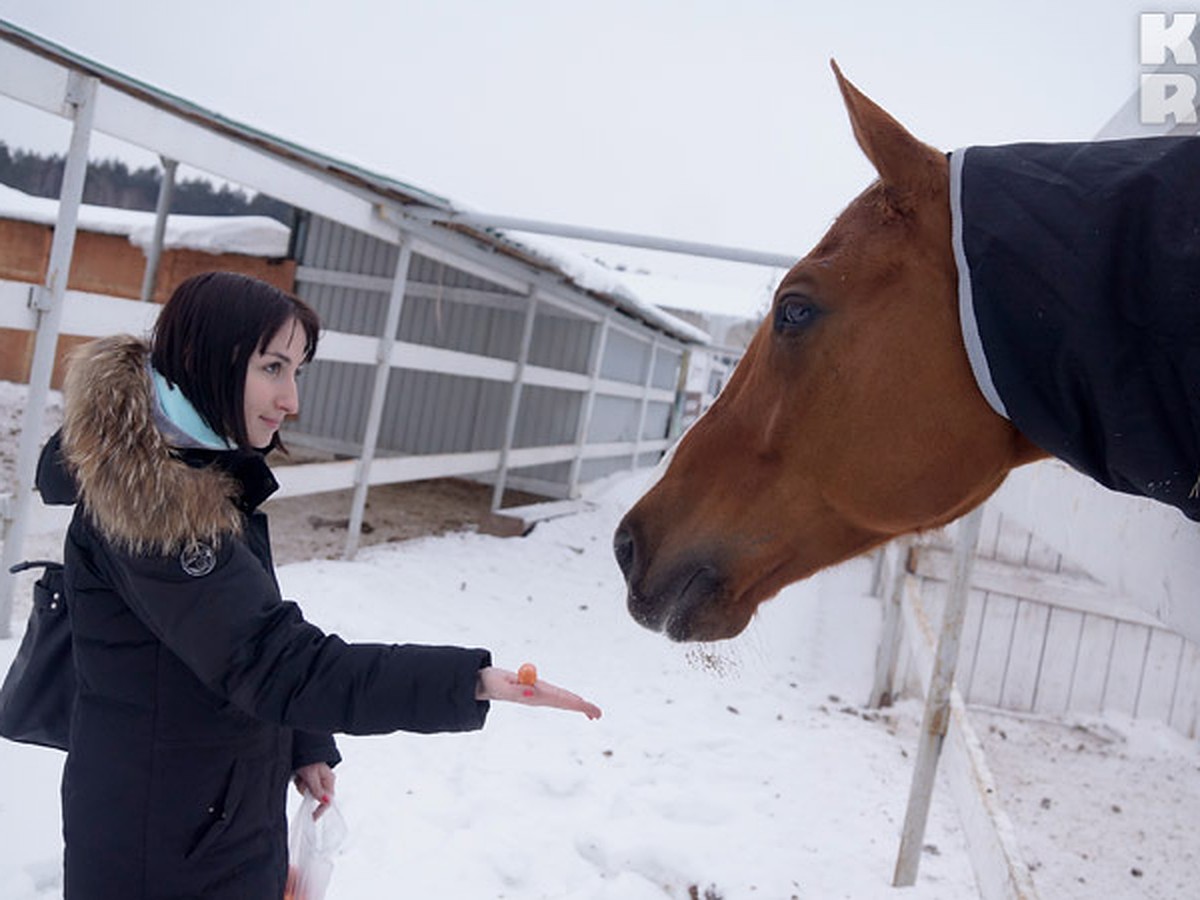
x=501, y=684
x=546, y=694
x=319, y=780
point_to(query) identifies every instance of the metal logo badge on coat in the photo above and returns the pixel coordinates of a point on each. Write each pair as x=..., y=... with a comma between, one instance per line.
x=198, y=559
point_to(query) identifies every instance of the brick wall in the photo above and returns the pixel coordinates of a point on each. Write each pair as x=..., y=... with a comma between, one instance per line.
x=106, y=264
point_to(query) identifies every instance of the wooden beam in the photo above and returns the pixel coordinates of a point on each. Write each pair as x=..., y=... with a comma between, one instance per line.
x=1000, y=872
x=1075, y=592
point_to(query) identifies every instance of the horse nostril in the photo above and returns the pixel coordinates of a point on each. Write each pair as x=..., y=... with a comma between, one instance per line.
x=623, y=546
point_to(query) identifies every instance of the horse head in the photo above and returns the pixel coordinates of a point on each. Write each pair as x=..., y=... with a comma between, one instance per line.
x=852, y=418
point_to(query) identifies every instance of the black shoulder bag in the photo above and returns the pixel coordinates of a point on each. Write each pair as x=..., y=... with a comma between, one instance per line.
x=39, y=690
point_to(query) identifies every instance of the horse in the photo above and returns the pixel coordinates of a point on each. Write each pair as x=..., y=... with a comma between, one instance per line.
x=863, y=408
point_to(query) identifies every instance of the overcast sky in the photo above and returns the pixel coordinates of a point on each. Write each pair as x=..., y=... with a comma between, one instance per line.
x=705, y=120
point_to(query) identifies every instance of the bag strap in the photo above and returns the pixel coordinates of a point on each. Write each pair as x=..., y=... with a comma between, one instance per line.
x=47, y=564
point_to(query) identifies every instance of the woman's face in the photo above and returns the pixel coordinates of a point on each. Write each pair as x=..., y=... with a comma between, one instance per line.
x=271, y=384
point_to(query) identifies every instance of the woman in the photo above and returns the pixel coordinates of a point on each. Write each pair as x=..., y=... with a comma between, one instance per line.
x=201, y=691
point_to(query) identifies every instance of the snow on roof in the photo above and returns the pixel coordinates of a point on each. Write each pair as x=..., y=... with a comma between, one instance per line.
x=248, y=235
x=592, y=276
x=748, y=297
x=263, y=236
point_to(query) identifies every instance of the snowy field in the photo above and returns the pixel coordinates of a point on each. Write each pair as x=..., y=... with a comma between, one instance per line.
x=738, y=771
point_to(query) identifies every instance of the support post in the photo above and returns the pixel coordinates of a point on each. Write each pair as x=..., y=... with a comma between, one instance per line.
x=647, y=383
x=589, y=401
x=937, y=703
x=383, y=372
x=514, y=400
x=889, y=588
x=47, y=299
x=681, y=380
x=162, y=209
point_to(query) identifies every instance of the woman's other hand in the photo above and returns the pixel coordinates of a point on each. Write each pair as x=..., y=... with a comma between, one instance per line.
x=319, y=780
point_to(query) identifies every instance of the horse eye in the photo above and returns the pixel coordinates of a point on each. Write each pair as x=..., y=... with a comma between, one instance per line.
x=794, y=313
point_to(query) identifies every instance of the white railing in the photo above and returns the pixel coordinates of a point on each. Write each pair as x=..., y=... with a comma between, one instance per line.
x=94, y=315
x=1076, y=600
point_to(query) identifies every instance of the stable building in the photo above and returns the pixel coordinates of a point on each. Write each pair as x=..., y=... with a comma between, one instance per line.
x=450, y=348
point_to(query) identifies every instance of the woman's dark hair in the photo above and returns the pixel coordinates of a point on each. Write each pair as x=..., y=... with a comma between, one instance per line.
x=206, y=334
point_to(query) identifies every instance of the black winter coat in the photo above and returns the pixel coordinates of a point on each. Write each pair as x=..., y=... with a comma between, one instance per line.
x=200, y=689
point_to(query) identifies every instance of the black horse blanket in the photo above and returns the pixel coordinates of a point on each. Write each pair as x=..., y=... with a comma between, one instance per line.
x=1079, y=295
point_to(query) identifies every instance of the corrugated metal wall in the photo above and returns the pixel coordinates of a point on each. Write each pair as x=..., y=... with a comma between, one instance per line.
x=432, y=412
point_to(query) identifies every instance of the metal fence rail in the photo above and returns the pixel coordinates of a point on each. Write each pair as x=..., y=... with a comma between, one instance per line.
x=95, y=315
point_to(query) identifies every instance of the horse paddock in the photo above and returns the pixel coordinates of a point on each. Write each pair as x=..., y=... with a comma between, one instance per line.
x=1128, y=835
x=1071, y=755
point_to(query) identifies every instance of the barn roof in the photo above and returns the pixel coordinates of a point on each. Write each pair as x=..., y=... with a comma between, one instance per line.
x=583, y=275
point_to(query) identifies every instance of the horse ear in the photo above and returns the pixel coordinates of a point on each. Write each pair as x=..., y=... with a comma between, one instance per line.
x=901, y=160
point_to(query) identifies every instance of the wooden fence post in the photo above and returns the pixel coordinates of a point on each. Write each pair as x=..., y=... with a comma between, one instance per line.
x=383, y=373
x=937, y=703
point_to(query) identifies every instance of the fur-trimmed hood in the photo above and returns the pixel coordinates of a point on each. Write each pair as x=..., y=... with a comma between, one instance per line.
x=136, y=489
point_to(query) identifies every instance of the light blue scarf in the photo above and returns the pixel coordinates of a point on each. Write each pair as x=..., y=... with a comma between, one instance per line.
x=178, y=420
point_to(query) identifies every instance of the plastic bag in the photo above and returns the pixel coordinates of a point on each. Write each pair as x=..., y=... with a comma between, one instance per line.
x=311, y=848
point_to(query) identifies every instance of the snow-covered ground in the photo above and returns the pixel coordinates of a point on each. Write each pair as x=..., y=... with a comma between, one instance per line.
x=748, y=769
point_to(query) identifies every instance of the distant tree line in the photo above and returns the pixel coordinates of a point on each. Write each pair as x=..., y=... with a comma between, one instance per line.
x=110, y=182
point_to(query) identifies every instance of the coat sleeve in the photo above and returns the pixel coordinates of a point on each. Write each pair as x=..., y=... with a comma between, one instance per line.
x=230, y=627
x=309, y=748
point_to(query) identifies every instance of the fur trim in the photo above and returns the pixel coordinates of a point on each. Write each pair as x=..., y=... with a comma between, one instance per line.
x=139, y=495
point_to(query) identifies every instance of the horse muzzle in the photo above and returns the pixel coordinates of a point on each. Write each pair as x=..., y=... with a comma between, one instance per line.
x=687, y=602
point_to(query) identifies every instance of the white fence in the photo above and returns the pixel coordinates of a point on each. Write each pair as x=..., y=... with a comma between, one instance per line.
x=95, y=315
x=1043, y=637
x=1059, y=620
x=991, y=840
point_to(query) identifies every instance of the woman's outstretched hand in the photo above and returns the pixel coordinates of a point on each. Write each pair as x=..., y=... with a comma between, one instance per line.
x=501, y=684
